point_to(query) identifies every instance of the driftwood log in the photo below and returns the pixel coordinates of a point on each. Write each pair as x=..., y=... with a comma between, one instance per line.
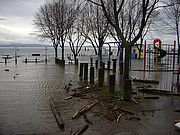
x=82, y=130
x=160, y=92
x=146, y=81
x=176, y=121
x=57, y=115
x=86, y=119
x=83, y=90
x=119, y=117
x=151, y=97
x=83, y=110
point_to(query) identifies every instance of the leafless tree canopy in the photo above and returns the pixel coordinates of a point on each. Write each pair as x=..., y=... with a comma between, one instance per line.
x=95, y=27
x=54, y=19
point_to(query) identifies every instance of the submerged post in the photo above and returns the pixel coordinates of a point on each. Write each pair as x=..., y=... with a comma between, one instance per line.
x=111, y=83
x=96, y=64
x=5, y=60
x=85, y=71
x=36, y=60
x=101, y=77
x=91, y=75
x=91, y=62
x=109, y=65
x=114, y=65
x=25, y=60
x=81, y=70
x=45, y=60
x=15, y=57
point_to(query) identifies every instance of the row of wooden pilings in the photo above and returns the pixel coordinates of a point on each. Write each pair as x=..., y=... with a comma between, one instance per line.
x=36, y=60
x=83, y=73
x=25, y=60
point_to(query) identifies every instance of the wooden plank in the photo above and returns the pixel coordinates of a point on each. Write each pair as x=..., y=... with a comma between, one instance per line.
x=57, y=115
x=146, y=81
x=82, y=130
x=84, y=109
x=160, y=92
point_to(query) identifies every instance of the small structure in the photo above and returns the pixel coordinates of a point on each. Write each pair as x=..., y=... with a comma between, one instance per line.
x=159, y=57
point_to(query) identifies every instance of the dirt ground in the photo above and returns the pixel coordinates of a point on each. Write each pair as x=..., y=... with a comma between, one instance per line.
x=113, y=116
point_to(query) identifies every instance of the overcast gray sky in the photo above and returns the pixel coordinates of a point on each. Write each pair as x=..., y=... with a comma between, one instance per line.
x=16, y=20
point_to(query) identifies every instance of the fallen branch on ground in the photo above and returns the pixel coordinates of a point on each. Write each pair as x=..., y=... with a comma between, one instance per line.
x=161, y=92
x=134, y=118
x=84, y=109
x=86, y=119
x=151, y=97
x=146, y=81
x=67, y=98
x=82, y=130
x=119, y=117
x=124, y=110
x=176, y=121
x=57, y=115
x=83, y=90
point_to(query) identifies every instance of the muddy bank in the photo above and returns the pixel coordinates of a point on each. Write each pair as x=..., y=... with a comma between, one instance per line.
x=111, y=115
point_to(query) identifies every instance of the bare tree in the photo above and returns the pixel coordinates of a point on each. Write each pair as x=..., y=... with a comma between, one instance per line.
x=64, y=15
x=173, y=15
x=151, y=24
x=76, y=39
x=54, y=20
x=95, y=28
x=46, y=29
x=124, y=16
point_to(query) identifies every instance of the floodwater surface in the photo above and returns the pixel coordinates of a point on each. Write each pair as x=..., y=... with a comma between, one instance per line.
x=25, y=91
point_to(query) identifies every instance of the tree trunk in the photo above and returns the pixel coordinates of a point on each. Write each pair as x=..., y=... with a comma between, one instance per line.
x=121, y=59
x=100, y=53
x=95, y=50
x=62, y=47
x=126, y=80
x=75, y=59
x=177, y=32
x=62, y=52
x=55, y=49
x=127, y=60
x=140, y=48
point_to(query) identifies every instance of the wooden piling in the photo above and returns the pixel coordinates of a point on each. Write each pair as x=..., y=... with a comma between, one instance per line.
x=15, y=60
x=101, y=64
x=5, y=60
x=114, y=65
x=36, y=60
x=81, y=70
x=91, y=75
x=57, y=115
x=91, y=62
x=111, y=83
x=101, y=77
x=96, y=64
x=85, y=71
x=45, y=60
x=109, y=65
x=25, y=60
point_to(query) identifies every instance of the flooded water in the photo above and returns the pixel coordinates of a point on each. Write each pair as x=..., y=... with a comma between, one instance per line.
x=25, y=91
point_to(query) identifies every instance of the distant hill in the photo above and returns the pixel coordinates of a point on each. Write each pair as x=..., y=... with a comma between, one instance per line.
x=24, y=45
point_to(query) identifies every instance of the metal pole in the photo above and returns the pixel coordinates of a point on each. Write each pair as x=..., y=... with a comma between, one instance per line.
x=145, y=56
